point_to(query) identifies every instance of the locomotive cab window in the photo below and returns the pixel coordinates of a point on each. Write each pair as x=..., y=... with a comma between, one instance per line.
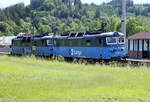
x=62, y=42
x=34, y=43
x=88, y=42
x=71, y=43
x=18, y=43
x=43, y=42
x=121, y=40
x=100, y=41
x=49, y=42
x=111, y=40
x=79, y=43
x=39, y=43
x=55, y=42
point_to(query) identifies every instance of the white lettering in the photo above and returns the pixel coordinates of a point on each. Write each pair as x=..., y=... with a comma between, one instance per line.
x=75, y=52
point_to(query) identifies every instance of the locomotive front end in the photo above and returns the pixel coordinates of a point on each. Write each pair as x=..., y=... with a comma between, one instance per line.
x=116, y=46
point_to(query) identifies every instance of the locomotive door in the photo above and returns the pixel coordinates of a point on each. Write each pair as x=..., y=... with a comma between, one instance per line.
x=34, y=45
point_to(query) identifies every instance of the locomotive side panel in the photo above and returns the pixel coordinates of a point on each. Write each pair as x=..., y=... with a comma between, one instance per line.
x=79, y=48
x=21, y=47
x=42, y=47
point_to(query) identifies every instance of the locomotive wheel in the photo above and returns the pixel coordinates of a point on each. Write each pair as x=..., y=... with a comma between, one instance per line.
x=68, y=59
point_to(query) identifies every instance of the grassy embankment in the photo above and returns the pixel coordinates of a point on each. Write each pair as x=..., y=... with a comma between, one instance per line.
x=33, y=80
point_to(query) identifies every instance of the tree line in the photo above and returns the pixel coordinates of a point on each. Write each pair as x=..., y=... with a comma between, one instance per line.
x=58, y=16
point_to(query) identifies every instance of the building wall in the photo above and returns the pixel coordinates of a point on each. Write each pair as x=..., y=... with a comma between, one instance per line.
x=138, y=48
x=135, y=54
x=6, y=40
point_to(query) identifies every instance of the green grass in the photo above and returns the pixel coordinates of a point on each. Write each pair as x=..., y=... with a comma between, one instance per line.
x=36, y=80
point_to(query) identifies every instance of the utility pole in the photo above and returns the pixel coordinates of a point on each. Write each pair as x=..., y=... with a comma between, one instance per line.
x=123, y=25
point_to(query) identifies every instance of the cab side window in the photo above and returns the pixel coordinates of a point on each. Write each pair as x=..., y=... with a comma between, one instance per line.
x=88, y=42
x=71, y=43
x=62, y=42
x=49, y=42
x=79, y=43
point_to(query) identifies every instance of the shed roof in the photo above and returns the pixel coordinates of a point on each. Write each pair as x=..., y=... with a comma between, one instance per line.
x=141, y=35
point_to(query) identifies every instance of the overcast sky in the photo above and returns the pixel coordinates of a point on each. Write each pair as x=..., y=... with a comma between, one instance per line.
x=5, y=3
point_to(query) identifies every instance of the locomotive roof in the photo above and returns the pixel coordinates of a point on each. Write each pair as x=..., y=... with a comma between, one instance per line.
x=86, y=35
x=47, y=37
x=106, y=34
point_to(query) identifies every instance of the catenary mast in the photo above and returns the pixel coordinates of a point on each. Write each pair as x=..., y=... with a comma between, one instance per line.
x=123, y=26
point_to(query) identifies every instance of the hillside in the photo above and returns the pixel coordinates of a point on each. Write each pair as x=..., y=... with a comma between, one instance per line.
x=37, y=80
x=59, y=15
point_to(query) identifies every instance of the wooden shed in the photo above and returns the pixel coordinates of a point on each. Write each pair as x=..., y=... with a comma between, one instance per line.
x=139, y=46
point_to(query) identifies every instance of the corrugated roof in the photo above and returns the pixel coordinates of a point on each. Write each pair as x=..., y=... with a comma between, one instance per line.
x=141, y=35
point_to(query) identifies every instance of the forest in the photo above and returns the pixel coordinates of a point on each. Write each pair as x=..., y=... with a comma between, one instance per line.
x=57, y=16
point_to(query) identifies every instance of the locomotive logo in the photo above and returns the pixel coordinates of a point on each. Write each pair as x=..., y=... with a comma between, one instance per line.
x=75, y=52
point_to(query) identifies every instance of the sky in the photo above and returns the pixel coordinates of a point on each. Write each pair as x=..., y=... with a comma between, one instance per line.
x=6, y=3
x=101, y=1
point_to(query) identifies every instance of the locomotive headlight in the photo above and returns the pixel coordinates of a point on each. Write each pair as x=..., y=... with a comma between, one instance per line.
x=122, y=49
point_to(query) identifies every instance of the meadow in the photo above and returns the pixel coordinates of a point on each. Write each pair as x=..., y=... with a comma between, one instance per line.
x=28, y=79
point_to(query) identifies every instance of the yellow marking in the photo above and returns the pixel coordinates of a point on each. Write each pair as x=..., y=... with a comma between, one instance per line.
x=33, y=48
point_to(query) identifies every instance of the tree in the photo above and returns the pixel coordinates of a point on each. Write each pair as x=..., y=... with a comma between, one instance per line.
x=44, y=28
x=25, y=26
x=60, y=15
x=5, y=29
x=113, y=24
x=134, y=26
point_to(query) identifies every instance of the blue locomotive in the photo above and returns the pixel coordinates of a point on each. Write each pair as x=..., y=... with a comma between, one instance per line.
x=91, y=45
x=21, y=45
x=43, y=46
x=39, y=45
x=73, y=44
